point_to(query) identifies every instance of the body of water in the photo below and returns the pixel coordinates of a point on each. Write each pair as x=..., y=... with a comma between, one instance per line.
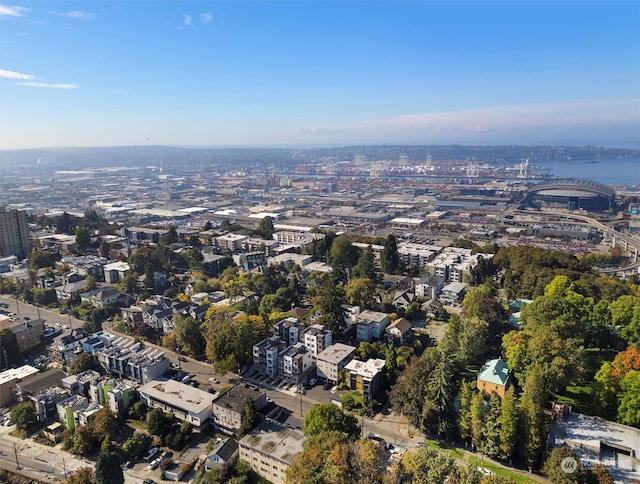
x=615, y=171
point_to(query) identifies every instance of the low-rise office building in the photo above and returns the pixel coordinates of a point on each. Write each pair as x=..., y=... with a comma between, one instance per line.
x=185, y=402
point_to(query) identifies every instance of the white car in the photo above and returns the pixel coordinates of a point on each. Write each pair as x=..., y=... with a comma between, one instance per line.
x=154, y=464
x=213, y=380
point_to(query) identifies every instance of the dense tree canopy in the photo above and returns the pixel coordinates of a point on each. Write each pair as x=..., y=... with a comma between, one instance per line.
x=324, y=417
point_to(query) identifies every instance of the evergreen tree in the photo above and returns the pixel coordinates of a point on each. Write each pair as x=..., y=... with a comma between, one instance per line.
x=108, y=470
x=390, y=260
x=508, y=422
x=366, y=267
x=248, y=418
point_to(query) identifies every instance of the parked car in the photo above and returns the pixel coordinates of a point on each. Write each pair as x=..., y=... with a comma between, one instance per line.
x=150, y=453
x=213, y=380
x=313, y=381
x=154, y=464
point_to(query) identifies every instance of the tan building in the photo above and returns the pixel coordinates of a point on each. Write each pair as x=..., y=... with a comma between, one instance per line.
x=14, y=234
x=9, y=380
x=494, y=377
x=270, y=449
x=28, y=332
x=227, y=408
x=333, y=359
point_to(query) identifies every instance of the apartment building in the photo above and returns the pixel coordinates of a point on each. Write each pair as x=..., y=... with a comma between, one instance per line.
x=296, y=361
x=227, y=408
x=317, y=338
x=370, y=325
x=129, y=359
x=14, y=234
x=365, y=377
x=332, y=360
x=270, y=449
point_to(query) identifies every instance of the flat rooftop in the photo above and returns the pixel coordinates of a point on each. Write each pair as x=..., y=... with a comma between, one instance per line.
x=275, y=440
x=178, y=395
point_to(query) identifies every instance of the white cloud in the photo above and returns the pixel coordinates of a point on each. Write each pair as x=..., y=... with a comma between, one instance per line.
x=7, y=11
x=47, y=84
x=186, y=22
x=205, y=17
x=76, y=14
x=15, y=75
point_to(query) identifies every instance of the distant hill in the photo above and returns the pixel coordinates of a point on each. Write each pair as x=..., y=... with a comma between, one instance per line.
x=211, y=157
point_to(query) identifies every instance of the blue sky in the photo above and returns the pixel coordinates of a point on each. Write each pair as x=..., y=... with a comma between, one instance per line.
x=336, y=72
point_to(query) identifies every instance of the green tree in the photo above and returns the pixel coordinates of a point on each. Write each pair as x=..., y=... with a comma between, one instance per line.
x=133, y=446
x=84, y=440
x=409, y=394
x=104, y=249
x=554, y=467
x=629, y=408
x=390, y=259
x=343, y=256
x=465, y=395
x=329, y=304
x=508, y=423
x=106, y=423
x=230, y=338
x=171, y=237
x=324, y=417
x=83, y=239
x=249, y=418
x=84, y=475
x=194, y=241
x=266, y=227
x=83, y=362
x=90, y=283
x=441, y=391
x=108, y=470
x=188, y=335
x=23, y=414
x=428, y=465
x=158, y=422
x=366, y=267
x=361, y=292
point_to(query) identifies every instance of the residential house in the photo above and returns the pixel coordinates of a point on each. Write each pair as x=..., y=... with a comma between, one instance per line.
x=223, y=454
x=296, y=362
x=317, y=338
x=103, y=297
x=398, y=330
x=431, y=307
x=402, y=299
x=9, y=380
x=494, y=378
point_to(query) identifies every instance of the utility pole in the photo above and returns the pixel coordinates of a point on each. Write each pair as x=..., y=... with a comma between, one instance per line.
x=300, y=387
x=15, y=452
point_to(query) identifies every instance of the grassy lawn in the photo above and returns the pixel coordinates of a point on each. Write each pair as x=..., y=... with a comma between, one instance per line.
x=457, y=453
x=447, y=449
x=500, y=471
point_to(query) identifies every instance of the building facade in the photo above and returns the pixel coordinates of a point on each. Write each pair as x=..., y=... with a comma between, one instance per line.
x=14, y=234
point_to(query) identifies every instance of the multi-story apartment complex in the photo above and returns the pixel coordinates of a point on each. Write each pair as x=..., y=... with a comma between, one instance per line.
x=317, y=339
x=296, y=360
x=332, y=360
x=270, y=449
x=227, y=408
x=417, y=254
x=28, y=332
x=14, y=234
x=266, y=355
x=370, y=325
x=364, y=376
x=129, y=359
